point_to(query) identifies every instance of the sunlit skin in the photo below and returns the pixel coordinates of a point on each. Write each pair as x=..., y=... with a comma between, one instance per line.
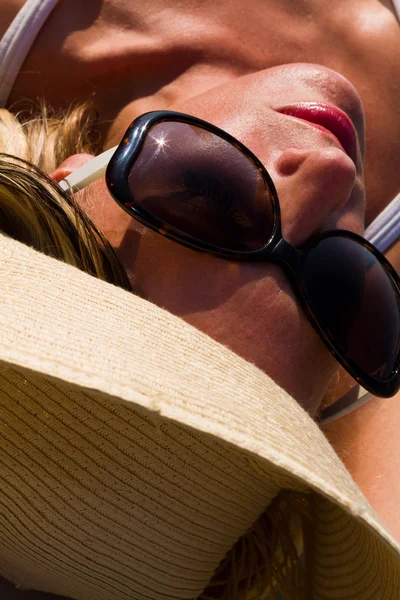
x=233, y=63
x=130, y=57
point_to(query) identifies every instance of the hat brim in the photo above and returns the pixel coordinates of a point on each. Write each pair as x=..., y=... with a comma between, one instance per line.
x=73, y=338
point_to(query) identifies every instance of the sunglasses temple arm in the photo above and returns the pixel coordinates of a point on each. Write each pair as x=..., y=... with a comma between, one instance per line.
x=89, y=172
x=346, y=404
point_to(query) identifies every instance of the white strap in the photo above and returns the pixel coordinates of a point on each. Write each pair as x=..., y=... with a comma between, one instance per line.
x=17, y=41
x=385, y=230
x=87, y=173
x=396, y=4
x=345, y=405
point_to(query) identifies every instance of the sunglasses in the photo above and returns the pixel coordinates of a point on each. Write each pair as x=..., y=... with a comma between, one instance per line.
x=199, y=186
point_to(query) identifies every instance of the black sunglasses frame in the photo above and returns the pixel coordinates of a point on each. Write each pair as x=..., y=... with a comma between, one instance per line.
x=276, y=249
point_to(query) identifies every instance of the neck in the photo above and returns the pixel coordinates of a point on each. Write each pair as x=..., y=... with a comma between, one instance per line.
x=129, y=57
x=119, y=53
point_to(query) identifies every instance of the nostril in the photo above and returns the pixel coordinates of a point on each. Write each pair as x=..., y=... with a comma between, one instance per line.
x=289, y=162
x=327, y=173
x=335, y=174
x=313, y=188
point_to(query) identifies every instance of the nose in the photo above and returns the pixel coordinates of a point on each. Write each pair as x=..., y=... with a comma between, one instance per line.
x=319, y=186
x=317, y=190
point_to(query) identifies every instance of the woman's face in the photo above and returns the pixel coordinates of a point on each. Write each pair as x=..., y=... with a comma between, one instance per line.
x=236, y=66
x=251, y=308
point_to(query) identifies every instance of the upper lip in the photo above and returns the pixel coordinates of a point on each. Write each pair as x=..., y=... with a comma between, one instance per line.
x=328, y=117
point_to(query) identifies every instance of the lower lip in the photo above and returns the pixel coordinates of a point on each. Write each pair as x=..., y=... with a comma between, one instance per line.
x=328, y=119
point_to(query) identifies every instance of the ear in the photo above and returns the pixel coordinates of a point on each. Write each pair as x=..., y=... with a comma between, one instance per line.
x=69, y=165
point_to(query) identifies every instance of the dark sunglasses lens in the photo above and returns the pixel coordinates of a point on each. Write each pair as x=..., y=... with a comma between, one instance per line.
x=203, y=186
x=356, y=303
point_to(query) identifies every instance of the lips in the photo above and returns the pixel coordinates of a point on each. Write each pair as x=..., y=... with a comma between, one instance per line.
x=328, y=118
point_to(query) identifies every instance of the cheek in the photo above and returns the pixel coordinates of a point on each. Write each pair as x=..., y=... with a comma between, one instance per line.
x=183, y=281
x=250, y=309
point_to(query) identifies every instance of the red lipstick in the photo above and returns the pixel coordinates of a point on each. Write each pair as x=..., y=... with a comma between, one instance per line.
x=328, y=118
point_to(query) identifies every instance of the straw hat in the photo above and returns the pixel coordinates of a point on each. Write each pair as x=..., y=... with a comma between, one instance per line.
x=135, y=452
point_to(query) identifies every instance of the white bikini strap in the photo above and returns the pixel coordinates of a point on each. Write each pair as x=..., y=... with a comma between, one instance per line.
x=385, y=230
x=396, y=4
x=17, y=41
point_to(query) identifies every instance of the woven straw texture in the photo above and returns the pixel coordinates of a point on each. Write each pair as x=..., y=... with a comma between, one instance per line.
x=135, y=451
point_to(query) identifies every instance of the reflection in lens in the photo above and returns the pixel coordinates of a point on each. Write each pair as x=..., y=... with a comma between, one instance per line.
x=355, y=302
x=200, y=184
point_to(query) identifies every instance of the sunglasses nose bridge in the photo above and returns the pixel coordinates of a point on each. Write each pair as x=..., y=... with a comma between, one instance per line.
x=287, y=256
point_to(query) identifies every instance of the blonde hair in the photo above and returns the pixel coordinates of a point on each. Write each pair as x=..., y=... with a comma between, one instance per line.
x=33, y=209
x=265, y=563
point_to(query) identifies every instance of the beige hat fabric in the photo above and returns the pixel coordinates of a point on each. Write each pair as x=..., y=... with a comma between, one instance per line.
x=135, y=451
